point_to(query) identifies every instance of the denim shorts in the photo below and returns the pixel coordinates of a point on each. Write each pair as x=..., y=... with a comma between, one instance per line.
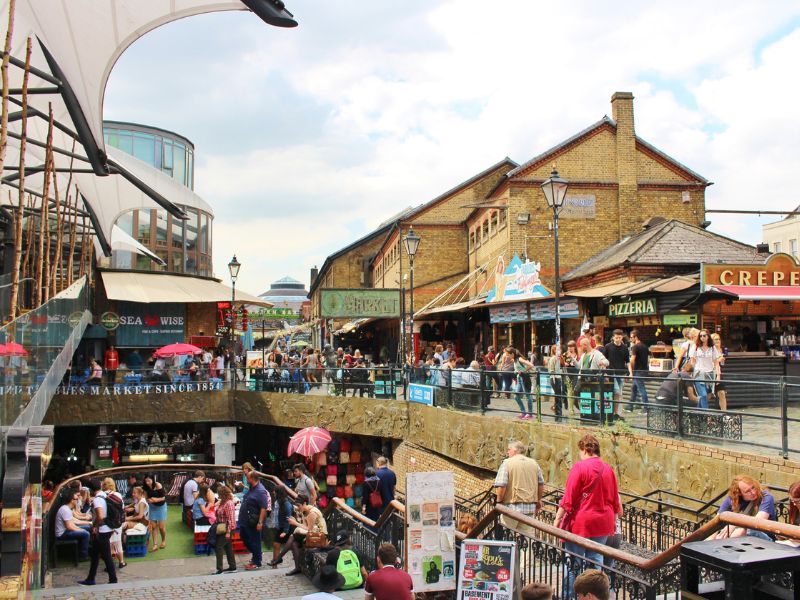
x=619, y=381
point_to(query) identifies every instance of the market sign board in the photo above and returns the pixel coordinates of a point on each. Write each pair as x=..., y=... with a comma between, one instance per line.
x=578, y=206
x=421, y=393
x=533, y=311
x=272, y=313
x=779, y=270
x=518, y=281
x=487, y=570
x=150, y=325
x=681, y=319
x=360, y=303
x=632, y=308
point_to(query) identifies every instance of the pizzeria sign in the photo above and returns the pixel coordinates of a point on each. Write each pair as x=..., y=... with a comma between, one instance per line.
x=632, y=308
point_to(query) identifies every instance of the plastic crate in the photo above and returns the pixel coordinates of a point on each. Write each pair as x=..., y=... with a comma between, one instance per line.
x=201, y=548
x=134, y=551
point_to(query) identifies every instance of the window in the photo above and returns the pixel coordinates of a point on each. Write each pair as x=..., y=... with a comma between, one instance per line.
x=485, y=230
x=143, y=231
x=793, y=247
x=502, y=218
x=161, y=227
x=777, y=247
x=493, y=227
x=472, y=240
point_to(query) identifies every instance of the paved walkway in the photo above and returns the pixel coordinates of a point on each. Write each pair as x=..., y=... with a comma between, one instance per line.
x=156, y=580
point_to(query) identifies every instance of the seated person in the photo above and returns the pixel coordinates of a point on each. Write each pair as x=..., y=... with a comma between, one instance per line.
x=191, y=368
x=67, y=529
x=746, y=497
x=200, y=511
x=83, y=508
x=95, y=373
x=159, y=372
x=311, y=519
x=668, y=392
x=136, y=523
x=347, y=562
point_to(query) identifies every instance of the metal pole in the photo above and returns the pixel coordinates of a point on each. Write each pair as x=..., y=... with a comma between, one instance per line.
x=784, y=391
x=233, y=334
x=411, y=319
x=557, y=282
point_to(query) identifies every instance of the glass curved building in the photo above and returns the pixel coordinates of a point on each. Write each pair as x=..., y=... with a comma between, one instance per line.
x=185, y=246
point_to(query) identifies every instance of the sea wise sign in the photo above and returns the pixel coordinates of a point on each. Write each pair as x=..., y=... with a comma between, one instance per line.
x=359, y=303
x=487, y=570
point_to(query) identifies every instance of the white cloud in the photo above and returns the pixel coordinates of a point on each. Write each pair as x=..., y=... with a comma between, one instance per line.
x=308, y=138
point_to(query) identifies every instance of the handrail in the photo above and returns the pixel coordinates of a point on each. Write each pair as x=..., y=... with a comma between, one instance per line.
x=701, y=533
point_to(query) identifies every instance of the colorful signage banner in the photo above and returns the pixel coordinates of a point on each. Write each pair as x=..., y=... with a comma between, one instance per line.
x=271, y=313
x=534, y=311
x=487, y=570
x=150, y=325
x=518, y=281
x=779, y=270
x=360, y=304
x=632, y=308
x=430, y=522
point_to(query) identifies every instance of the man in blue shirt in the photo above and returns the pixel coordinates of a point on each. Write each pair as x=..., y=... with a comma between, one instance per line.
x=256, y=504
x=388, y=481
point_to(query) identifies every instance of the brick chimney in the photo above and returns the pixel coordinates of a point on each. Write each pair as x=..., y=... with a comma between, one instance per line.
x=314, y=274
x=622, y=111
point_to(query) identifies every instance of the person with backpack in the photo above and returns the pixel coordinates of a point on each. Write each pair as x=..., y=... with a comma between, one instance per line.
x=347, y=562
x=107, y=515
x=371, y=499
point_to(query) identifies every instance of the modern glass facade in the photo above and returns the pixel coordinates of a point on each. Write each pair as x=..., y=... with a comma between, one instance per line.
x=184, y=245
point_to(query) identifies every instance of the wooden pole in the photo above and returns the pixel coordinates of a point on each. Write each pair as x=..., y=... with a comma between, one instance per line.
x=4, y=77
x=58, y=262
x=20, y=207
x=73, y=232
x=83, y=250
x=54, y=266
x=44, y=228
x=26, y=262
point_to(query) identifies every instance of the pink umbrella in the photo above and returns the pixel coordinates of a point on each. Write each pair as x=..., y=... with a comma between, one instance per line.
x=12, y=349
x=309, y=441
x=177, y=350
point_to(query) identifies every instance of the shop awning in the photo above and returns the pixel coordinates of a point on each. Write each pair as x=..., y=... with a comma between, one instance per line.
x=757, y=292
x=353, y=325
x=677, y=283
x=457, y=307
x=156, y=287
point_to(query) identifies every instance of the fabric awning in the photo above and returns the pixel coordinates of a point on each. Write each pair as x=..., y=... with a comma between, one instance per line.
x=353, y=325
x=155, y=287
x=757, y=292
x=667, y=285
x=457, y=307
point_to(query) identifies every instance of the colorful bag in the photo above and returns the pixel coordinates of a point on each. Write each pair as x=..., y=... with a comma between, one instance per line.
x=350, y=502
x=331, y=480
x=348, y=491
x=344, y=445
x=355, y=456
x=323, y=501
x=351, y=469
x=360, y=478
x=340, y=491
x=333, y=457
x=332, y=470
x=341, y=470
x=375, y=500
x=323, y=486
x=359, y=469
x=350, y=479
x=333, y=446
x=344, y=457
x=358, y=491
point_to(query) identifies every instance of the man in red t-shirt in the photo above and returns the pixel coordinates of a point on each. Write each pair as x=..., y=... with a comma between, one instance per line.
x=388, y=582
x=588, y=333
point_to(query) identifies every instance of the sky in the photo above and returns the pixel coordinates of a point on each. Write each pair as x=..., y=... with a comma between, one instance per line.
x=308, y=138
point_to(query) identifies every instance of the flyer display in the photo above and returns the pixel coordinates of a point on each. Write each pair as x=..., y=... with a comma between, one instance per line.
x=431, y=531
x=487, y=570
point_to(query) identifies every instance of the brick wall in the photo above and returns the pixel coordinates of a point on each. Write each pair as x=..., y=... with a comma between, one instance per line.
x=201, y=319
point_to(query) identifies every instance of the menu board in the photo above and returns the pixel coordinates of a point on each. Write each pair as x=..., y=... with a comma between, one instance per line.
x=430, y=523
x=487, y=570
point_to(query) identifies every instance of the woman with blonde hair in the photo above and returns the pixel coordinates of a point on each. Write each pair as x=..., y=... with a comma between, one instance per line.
x=746, y=496
x=109, y=487
x=690, y=333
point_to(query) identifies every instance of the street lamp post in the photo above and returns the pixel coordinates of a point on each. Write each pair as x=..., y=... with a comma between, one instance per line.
x=233, y=269
x=555, y=191
x=411, y=242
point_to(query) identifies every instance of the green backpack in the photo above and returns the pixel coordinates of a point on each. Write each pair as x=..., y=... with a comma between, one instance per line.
x=349, y=567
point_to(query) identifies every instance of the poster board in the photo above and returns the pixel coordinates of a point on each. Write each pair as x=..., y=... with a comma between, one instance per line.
x=487, y=570
x=430, y=527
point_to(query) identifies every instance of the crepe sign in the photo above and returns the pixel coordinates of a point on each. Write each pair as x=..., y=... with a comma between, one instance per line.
x=487, y=570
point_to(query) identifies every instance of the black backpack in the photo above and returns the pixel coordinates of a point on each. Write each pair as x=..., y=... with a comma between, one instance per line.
x=115, y=512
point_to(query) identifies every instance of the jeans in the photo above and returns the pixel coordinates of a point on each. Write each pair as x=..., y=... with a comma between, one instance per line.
x=575, y=553
x=506, y=379
x=102, y=547
x=702, y=393
x=558, y=393
x=638, y=387
x=759, y=534
x=524, y=388
x=252, y=539
x=83, y=540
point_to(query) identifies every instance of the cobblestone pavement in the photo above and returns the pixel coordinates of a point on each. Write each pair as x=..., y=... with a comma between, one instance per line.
x=182, y=578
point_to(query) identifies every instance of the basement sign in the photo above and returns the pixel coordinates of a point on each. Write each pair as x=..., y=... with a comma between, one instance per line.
x=632, y=308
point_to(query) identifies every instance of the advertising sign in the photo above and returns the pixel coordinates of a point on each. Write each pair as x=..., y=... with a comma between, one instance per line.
x=779, y=270
x=681, y=319
x=533, y=311
x=359, y=303
x=578, y=206
x=430, y=522
x=421, y=393
x=487, y=570
x=632, y=308
x=150, y=325
x=518, y=281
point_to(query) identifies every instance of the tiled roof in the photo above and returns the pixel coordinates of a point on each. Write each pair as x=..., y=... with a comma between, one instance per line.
x=672, y=242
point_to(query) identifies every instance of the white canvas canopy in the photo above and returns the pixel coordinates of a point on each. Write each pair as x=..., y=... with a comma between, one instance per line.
x=75, y=44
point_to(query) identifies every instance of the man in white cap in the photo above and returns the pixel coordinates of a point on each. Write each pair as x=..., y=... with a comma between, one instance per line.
x=588, y=333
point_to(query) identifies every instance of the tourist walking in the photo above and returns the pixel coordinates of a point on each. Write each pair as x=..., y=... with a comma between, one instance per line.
x=523, y=369
x=705, y=360
x=101, y=536
x=252, y=514
x=225, y=525
x=520, y=485
x=303, y=484
x=388, y=481
x=619, y=358
x=640, y=364
x=589, y=506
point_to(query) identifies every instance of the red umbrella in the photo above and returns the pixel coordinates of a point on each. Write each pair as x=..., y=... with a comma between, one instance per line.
x=309, y=441
x=177, y=350
x=12, y=349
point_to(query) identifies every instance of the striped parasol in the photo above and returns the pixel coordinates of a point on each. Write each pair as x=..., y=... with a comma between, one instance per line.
x=309, y=441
